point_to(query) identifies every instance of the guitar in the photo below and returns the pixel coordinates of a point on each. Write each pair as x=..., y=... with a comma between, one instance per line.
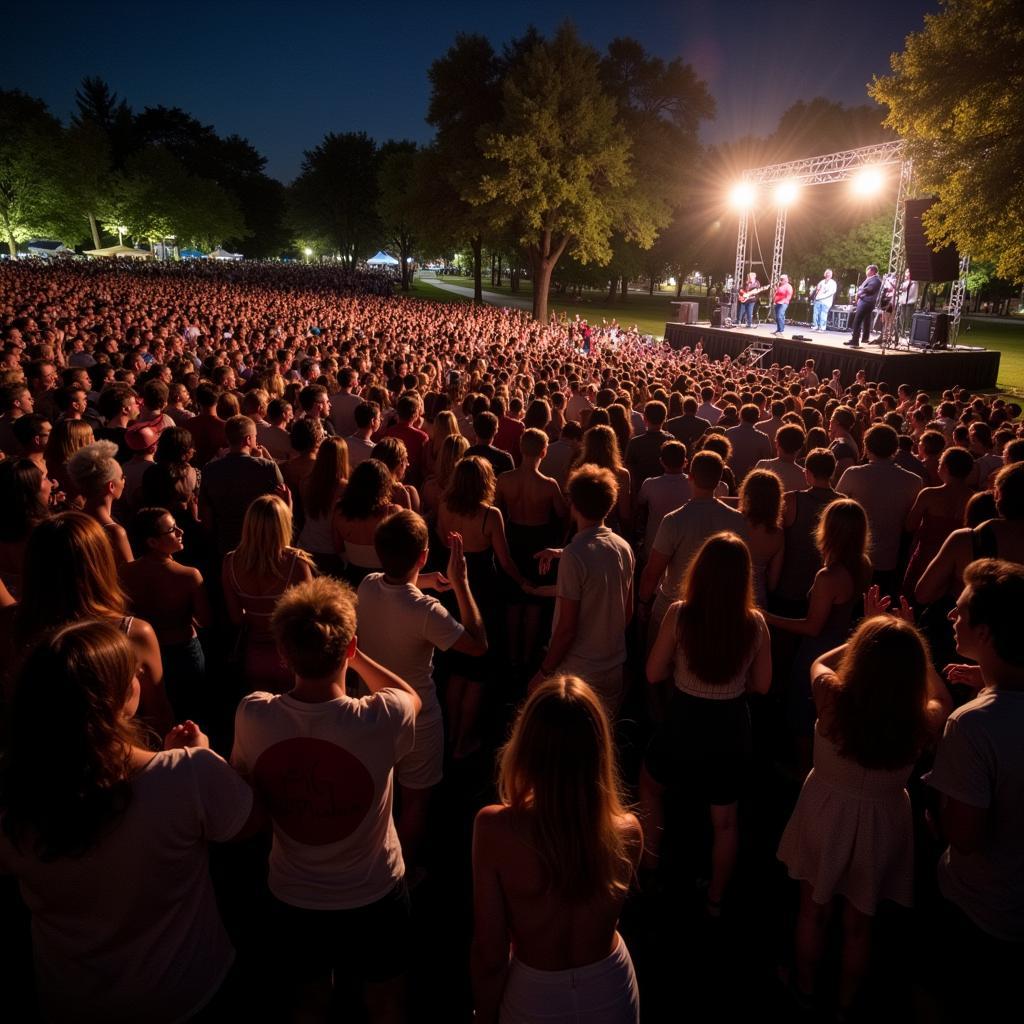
x=744, y=294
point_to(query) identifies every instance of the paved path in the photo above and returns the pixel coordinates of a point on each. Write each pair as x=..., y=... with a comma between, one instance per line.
x=494, y=298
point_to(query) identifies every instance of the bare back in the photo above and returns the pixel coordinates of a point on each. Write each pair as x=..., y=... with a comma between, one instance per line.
x=548, y=932
x=164, y=594
x=530, y=497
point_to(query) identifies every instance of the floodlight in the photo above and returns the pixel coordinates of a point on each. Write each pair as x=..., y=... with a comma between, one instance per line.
x=742, y=195
x=786, y=192
x=308, y=251
x=867, y=181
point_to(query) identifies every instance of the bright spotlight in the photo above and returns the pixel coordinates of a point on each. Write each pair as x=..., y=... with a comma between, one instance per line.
x=867, y=181
x=308, y=251
x=742, y=196
x=786, y=192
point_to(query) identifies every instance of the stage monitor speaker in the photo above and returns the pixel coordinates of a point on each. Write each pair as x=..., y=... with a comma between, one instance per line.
x=926, y=263
x=921, y=330
x=718, y=315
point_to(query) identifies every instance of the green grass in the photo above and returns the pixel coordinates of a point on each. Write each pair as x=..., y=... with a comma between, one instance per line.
x=1006, y=335
x=424, y=290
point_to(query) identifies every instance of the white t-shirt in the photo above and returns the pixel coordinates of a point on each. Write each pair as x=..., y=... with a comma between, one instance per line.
x=399, y=626
x=886, y=492
x=325, y=773
x=131, y=930
x=980, y=762
x=358, y=450
x=826, y=290
x=791, y=475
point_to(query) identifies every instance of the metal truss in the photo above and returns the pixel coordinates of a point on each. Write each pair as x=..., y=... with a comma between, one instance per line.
x=956, y=299
x=741, y=259
x=780, y=242
x=827, y=169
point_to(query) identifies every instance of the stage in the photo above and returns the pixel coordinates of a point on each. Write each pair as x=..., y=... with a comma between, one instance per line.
x=971, y=368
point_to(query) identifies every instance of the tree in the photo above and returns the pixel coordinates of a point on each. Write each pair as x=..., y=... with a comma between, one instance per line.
x=334, y=197
x=558, y=162
x=465, y=99
x=398, y=206
x=954, y=95
x=32, y=194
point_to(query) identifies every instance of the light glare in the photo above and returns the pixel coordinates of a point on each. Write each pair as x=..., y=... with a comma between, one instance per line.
x=742, y=196
x=785, y=193
x=867, y=181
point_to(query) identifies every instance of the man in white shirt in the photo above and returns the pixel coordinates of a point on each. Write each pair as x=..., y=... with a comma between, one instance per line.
x=360, y=441
x=821, y=301
x=399, y=627
x=323, y=762
x=886, y=492
x=707, y=410
x=594, y=592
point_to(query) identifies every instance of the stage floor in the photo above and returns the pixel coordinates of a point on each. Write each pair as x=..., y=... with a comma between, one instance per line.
x=972, y=368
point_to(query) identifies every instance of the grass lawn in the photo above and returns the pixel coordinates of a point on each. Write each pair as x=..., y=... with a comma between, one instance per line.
x=650, y=313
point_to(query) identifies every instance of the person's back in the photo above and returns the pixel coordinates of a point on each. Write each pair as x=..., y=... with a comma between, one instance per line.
x=323, y=763
x=749, y=444
x=552, y=864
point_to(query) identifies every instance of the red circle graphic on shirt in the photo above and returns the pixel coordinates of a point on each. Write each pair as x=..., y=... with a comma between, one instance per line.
x=316, y=791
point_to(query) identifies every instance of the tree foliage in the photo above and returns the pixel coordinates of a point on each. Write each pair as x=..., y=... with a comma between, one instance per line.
x=334, y=198
x=954, y=94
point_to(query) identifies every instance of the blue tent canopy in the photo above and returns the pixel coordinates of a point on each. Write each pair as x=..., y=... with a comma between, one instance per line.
x=192, y=254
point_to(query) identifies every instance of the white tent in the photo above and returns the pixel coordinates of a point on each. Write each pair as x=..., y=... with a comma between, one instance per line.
x=46, y=248
x=382, y=259
x=121, y=251
x=223, y=254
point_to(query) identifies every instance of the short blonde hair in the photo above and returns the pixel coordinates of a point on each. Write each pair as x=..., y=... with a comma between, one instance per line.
x=313, y=624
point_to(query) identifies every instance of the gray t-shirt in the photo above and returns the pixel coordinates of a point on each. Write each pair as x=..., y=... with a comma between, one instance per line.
x=230, y=485
x=886, y=493
x=980, y=762
x=596, y=569
x=682, y=533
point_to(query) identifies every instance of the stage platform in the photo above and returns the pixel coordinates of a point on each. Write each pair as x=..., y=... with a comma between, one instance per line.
x=971, y=368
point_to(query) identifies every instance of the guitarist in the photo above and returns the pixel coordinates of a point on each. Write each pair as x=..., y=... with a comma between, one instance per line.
x=748, y=299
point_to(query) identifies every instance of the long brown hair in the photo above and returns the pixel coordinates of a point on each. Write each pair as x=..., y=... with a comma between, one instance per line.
x=471, y=486
x=559, y=769
x=880, y=704
x=843, y=538
x=66, y=776
x=600, y=447
x=718, y=620
x=329, y=471
x=761, y=499
x=70, y=574
x=66, y=437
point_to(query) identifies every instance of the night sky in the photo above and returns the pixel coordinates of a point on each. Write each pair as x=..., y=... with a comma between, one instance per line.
x=282, y=75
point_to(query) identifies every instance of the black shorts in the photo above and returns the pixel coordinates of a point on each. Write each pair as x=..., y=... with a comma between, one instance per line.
x=371, y=943
x=703, y=748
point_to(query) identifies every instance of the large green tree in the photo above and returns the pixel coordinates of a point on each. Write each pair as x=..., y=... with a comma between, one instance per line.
x=955, y=95
x=558, y=162
x=334, y=197
x=33, y=194
x=399, y=205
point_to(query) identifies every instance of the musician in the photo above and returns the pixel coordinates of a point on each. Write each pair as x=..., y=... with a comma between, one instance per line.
x=822, y=296
x=867, y=299
x=748, y=301
x=906, y=300
x=887, y=304
x=781, y=299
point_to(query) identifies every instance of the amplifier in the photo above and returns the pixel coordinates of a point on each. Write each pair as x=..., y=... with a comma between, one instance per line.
x=921, y=329
x=839, y=318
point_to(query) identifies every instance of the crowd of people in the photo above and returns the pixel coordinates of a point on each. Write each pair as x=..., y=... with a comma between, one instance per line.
x=367, y=655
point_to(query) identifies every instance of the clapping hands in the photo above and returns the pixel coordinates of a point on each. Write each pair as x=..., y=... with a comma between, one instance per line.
x=877, y=604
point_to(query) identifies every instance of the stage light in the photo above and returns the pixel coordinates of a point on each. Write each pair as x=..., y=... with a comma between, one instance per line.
x=786, y=193
x=308, y=251
x=867, y=181
x=742, y=196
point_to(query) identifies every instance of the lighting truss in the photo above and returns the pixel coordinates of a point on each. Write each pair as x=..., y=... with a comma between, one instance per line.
x=828, y=170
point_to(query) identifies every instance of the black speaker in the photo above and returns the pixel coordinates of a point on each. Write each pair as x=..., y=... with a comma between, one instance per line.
x=926, y=263
x=921, y=330
x=718, y=315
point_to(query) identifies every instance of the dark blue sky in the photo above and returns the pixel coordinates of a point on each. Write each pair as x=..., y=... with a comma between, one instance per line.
x=283, y=75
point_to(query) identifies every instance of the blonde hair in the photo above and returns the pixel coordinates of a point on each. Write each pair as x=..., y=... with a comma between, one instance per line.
x=93, y=467
x=445, y=426
x=266, y=538
x=559, y=769
x=66, y=438
x=453, y=447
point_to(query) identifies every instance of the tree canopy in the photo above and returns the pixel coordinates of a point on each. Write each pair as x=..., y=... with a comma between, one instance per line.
x=963, y=129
